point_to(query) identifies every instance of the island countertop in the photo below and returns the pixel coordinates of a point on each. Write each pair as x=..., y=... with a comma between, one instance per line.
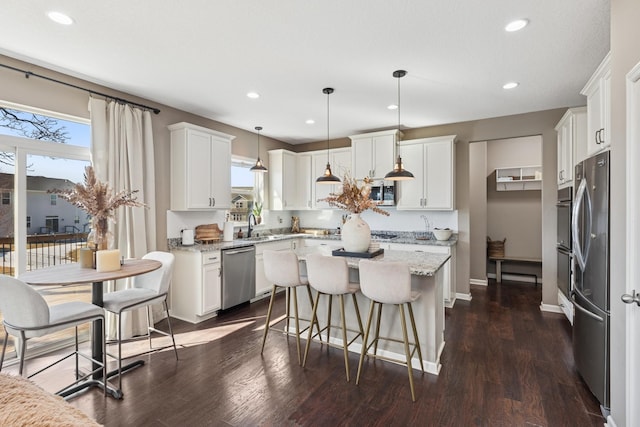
x=420, y=263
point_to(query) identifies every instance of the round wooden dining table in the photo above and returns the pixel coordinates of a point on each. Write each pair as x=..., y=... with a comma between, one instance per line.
x=73, y=274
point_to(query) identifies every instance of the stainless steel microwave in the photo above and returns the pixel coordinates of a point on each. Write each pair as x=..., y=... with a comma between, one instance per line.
x=383, y=192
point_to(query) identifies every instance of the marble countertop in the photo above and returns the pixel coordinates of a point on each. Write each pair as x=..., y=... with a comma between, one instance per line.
x=402, y=238
x=420, y=263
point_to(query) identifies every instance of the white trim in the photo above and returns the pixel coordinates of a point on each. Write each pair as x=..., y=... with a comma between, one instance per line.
x=463, y=297
x=610, y=422
x=479, y=282
x=566, y=306
x=43, y=112
x=551, y=308
x=632, y=389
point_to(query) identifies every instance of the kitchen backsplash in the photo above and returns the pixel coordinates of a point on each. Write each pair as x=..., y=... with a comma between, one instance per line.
x=326, y=219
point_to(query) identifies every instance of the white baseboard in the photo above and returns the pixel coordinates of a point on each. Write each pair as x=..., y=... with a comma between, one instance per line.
x=464, y=297
x=610, y=422
x=551, y=308
x=481, y=282
x=515, y=278
x=566, y=306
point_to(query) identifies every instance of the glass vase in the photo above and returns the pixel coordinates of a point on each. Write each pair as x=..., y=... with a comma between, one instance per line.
x=99, y=238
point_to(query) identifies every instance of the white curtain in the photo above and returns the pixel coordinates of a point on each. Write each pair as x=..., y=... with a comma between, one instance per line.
x=123, y=156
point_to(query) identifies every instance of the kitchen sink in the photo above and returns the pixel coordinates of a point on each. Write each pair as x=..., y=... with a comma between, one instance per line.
x=263, y=238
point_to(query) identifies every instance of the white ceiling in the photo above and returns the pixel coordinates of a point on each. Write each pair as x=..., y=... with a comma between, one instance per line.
x=203, y=56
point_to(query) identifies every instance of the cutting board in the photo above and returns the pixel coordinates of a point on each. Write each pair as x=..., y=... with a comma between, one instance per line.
x=208, y=232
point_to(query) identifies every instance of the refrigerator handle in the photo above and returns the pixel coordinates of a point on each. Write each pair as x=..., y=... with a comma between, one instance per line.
x=575, y=237
x=584, y=310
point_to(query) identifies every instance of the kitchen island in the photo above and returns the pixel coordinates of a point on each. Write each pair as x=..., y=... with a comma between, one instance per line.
x=426, y=277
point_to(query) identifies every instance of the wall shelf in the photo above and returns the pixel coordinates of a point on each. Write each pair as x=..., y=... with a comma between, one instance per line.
x=519, y=178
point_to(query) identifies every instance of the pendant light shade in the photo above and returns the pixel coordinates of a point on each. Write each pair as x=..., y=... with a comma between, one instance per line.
x=258, y=167
x=328, y=177
x=399, y=173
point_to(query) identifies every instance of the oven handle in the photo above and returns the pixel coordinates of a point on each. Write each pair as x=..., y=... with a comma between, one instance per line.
x=564, y=204
x=238, y=251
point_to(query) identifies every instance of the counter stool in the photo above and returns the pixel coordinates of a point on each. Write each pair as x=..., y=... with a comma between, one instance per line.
x=330, y=276
x=389, y=283
x=282, y=270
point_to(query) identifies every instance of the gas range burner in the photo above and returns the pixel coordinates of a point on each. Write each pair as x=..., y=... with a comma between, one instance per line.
x=383, y=236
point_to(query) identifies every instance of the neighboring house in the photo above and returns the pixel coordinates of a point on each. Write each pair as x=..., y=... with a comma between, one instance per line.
x=46, y=213
x=241, y=204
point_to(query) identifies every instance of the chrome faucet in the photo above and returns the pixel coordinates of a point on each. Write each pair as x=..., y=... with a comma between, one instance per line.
x=249, y=228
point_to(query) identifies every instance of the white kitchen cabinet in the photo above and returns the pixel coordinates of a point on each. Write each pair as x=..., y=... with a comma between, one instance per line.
x=448, y=269
x=432, y=163
x=200, y=168
x=598, y=93
x=282, y=180
x=305, y=181
x=373, y=154
x=340, y=159
x=263, y=286
x=572, y=141
x=196, y=285
x=519, y=178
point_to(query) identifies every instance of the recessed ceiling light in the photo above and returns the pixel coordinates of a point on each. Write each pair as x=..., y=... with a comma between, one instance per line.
x=60, y=18
x=516, y=25
x=392, y=107
x=510, y=85
x=253, y=95
x=310, y=121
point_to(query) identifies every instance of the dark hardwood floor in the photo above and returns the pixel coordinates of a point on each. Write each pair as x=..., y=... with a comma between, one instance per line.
x=505, y=363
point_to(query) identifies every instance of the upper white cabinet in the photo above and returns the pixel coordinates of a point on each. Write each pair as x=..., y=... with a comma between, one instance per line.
x=519, y=178
x=282, y=180
x=373, y=153
x=432, y=163
x=572, y=143
x=598, y=93
x=200, y=168
x=305, y=181
x=340, y=159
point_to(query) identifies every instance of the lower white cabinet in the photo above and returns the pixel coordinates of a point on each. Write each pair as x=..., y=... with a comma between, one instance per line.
x=196, y=285
x=263, y=286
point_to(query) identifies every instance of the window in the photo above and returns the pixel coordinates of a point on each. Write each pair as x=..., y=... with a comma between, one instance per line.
x=54, y=199
x=56, y=150
x=246, y=188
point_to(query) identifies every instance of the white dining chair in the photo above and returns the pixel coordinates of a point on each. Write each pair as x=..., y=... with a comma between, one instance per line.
x=148, y=289
x=27, y=315
x=389, y=283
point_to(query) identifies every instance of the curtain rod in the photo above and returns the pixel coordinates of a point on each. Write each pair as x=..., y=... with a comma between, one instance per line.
x=28, y=74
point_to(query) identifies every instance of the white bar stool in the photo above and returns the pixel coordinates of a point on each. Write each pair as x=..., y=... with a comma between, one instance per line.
x=389, y=283
x=330, y=276
x=282, y=270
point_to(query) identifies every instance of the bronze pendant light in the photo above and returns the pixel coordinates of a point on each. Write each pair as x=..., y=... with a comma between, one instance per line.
x=328, y=177
x=399, y=173
x=258, y=167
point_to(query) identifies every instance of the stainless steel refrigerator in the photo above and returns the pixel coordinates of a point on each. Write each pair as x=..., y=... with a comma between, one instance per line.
x=590, y=295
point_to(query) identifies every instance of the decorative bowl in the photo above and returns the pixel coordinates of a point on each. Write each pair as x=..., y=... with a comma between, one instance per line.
x=442, y=234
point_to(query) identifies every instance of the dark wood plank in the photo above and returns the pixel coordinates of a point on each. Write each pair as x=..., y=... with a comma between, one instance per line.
x=505, y=363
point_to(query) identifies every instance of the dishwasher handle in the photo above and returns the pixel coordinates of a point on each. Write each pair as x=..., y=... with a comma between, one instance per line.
x=239, y=251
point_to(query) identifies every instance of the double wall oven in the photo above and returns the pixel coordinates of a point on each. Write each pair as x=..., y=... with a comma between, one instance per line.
x=564, y=206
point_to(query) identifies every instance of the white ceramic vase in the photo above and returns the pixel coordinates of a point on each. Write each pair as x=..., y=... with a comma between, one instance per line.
x=356, y=234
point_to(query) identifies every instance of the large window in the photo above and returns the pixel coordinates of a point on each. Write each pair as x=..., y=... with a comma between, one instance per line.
x=41, y=151
x=246, y=189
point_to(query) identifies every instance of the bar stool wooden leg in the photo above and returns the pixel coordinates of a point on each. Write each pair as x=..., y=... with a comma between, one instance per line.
x=403, y=322
x=375, y=347
x=344, y=337
x=329, y=319
x=295, y=308
x=316, y=322
x=355, y=304
x=363, y=352
x=314, y=317
x=266, y=325
x=415, y=335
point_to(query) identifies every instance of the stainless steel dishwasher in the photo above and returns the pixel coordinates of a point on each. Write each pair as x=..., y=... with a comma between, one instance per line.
x=238, y=275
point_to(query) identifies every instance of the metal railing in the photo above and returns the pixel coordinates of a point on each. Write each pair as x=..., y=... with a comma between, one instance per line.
x=43, y=250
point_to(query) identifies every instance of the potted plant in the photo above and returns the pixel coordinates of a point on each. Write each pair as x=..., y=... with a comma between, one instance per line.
x=257, y=212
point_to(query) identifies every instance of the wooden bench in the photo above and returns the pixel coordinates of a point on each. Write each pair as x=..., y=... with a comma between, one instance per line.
x=500, y=260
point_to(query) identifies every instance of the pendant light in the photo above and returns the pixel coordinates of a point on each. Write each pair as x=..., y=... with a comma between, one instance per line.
x=258, y=167
x=328, y=177
x=399, y=173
